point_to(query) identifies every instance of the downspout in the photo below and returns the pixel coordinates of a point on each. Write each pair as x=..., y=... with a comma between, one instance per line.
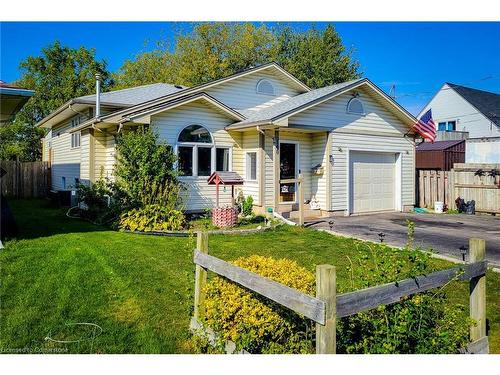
x=97, y=95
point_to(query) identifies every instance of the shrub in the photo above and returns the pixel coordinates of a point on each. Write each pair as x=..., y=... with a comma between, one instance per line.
x=143, y=159
x=255, y=323
x=152, y=217
x=97, y=199
x=422, y=323
x=247, y=206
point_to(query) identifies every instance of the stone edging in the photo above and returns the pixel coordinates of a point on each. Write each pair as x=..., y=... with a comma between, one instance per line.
x=185, y=233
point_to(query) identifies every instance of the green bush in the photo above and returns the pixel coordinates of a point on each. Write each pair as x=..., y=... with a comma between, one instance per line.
x=142, y=160
x=422, y=323
x=247, y=206
x=97, y=198
x=152, y=217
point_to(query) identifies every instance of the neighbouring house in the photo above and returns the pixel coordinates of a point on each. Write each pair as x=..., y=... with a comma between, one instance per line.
x=12, y=99
x=465, y=113
x=352, y=143
x=440, y=155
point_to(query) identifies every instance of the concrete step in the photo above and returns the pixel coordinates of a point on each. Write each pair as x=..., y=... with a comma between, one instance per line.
x=308, y=214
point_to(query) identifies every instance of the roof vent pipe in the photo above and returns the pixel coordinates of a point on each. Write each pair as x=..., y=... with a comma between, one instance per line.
x=97, y=95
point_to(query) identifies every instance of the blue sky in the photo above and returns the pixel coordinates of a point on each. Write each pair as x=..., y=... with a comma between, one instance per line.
x=417, y=56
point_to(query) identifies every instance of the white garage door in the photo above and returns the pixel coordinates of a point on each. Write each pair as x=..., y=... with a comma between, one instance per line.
x=372, y=181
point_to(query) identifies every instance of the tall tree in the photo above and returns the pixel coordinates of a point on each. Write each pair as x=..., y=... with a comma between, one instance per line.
x=210, y=51
x=317, y=58
x=57, y=75
x=216, y=50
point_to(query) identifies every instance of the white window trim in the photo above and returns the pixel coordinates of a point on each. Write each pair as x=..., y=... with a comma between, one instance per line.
x=73, y=136
x=355, y=113
x=247, y=167
x=265, y=93
x=195, y=145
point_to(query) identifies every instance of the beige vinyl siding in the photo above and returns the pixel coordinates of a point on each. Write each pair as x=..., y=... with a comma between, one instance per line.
x=199, y=195
x=319, y=155
x=85, y=155
x=269, y=167
x=333, y=114
x=250, y=143
x=99, y=155
x=241, y=93
x=109, y=161
x=65, y=160
x=343, y=143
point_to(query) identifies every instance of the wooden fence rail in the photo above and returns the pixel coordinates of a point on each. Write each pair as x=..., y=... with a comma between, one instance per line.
x=468, y=181
x=327, y=306
x=25, y=179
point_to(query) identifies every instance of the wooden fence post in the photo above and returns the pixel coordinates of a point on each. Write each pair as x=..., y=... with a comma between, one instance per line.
x=200, y=277
x=477, y=290
x=326, y=285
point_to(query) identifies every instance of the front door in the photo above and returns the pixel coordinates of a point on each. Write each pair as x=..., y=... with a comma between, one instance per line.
x=288, y=170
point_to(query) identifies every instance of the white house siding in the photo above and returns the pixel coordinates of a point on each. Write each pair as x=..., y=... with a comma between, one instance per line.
x=250, y=143
x=378, y=130
x=241, y=93
x=85, y=152
x=99, y=155
x=199, y=194
x=342, y=143
x=65, y=160
x=319, y=155
x=448, y=105
x=109, y=161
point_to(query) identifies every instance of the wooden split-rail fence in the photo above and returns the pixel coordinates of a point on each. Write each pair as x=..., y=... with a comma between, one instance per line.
x=328, y=306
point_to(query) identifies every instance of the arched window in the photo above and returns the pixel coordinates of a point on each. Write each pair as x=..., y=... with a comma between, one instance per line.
x=197, y=155
x=265, y=87
x=355, y=106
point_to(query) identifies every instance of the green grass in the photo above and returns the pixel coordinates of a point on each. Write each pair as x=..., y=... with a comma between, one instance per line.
x=139, y=288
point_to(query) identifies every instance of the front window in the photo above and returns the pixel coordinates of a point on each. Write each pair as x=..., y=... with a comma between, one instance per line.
x=251, y=166
x=442, y=126
x=452, y=126
x=198, y=156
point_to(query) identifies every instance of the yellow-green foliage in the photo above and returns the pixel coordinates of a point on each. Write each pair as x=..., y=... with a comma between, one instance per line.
x=152, y=217
x=253, y=322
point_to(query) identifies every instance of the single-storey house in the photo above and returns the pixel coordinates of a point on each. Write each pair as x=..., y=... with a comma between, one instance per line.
x=466, y=113
x=351, y=143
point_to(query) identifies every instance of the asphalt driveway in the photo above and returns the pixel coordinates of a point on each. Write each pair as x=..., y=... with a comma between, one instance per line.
x=442, y=233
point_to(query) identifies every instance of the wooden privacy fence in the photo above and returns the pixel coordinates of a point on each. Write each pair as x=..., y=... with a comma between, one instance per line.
x=25, y=179
x=478, y=182
x=327, y=306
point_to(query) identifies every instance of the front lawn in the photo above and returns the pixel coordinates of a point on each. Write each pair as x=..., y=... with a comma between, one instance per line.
x=139, y=288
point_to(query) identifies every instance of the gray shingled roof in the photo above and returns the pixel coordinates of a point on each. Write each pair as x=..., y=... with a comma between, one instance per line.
x=133, y=95
x=291, y=104
x=488, y=103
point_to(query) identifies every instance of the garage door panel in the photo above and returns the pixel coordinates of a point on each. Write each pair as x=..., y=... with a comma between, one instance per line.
x=373, y=181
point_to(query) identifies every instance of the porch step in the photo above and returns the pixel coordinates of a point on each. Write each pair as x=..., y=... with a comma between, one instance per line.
x=308, y=214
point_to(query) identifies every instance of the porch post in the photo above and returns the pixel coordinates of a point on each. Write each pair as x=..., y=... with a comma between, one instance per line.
x=328, y=171
x=276, y=164
x=262, y=169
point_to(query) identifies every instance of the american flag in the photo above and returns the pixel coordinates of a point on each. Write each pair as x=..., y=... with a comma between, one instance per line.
x=426, y=126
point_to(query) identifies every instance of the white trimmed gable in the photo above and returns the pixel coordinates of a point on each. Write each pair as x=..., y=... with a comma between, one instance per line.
x=241, y=92
x=448, y=105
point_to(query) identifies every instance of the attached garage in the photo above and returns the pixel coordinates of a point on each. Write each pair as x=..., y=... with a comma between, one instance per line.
x=373, y=182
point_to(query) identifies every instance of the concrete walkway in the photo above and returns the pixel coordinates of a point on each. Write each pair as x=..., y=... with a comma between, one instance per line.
x=444, y=234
